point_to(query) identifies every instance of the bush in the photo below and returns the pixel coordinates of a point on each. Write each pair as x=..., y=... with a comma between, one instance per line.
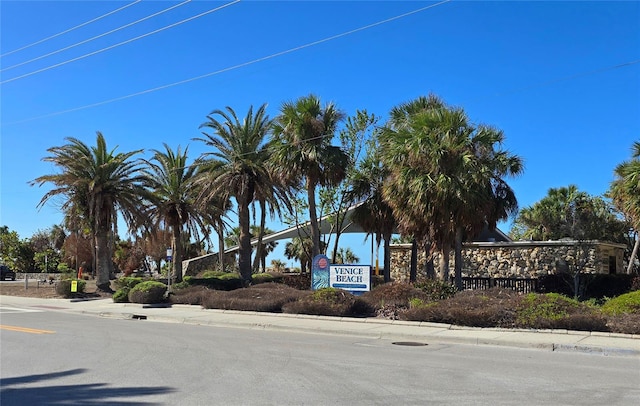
x=148, y=292
x=262, y=278
x=301, y=281
x=215, y=280
x=555, y=311
x=626, y=323
x=191, y=295
x=487, y=308
x=127, y=282
x=436, y=289
x=265, y=297
x=330, y=302
x=623, y=304
x=121, y=295
x=63, y=288
x=599, y=286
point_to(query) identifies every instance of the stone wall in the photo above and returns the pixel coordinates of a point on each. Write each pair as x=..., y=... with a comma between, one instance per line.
x=519, y=259
x=193, y=266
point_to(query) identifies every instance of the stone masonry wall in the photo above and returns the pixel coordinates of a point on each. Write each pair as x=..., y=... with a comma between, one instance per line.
x=517, y=259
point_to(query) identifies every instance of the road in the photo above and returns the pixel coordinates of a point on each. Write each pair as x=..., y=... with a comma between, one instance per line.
x=54, y=358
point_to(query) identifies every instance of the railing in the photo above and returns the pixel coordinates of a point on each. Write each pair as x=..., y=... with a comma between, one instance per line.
x=522, y=285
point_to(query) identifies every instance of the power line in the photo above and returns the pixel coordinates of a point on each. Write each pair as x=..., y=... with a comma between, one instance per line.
x=97, y=36
x=122, y=43
x=241, y=65
x=71, y=29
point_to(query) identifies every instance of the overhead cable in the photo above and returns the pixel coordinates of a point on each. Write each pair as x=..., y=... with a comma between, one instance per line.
x=239, y=65
x=121, y=43
x=97, y=36
x=70, y=29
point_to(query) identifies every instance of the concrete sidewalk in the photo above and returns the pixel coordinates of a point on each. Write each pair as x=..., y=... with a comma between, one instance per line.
x=374, y=328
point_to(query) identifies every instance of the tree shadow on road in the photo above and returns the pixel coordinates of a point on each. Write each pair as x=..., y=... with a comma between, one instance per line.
x=80, y=394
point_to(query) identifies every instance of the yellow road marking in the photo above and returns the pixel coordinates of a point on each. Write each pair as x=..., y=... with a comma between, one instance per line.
x=25, y=329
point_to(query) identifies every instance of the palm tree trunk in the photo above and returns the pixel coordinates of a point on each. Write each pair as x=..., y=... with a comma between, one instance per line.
x=387, y=258
x=313, y=218
x=220, y=245
x=263, y=220
x=244, y=251
x=634, y=253
x=444, y=264
x=103, y=260
x=428, y=262
x=177, y=253
x=458, y=259
x=413, y=270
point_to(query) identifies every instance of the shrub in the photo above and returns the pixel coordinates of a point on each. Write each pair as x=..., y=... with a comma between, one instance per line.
x=63, y=288
x=262, y=278
x=121, y=295
x=488, y=308
x=436, y=289
x=554, y=311
x=127, y=282
x=623, y=304
x=192, y=295
x=301, y=281
x=603, y=285
x=330, y=302
x=390, y=299
x=265, y=297
x=217, y=280
x=148, y=292
x=626, y=323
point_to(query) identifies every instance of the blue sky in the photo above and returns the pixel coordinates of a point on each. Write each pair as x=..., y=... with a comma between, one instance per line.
x=561, y=79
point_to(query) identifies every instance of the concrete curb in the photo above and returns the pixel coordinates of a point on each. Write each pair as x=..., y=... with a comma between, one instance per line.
x=600, y=343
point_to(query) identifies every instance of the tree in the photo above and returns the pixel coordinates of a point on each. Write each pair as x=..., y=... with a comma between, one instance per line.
x=14, y=252
x=238, y=164
x=446, y=179
x=300, y=249
x=625, y=192
x=304, y=131
x=374, y=215
x=346, y=256
x=101, y=183
x=567, y=212
x=171, y=179
x=335, y=201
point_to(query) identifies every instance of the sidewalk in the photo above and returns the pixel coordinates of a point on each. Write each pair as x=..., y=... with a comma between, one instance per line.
x=374, y=328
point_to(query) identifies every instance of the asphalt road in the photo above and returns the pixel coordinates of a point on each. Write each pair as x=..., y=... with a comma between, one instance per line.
x=54, y=358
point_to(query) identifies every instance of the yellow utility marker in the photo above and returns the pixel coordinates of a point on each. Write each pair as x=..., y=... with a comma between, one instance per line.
x=26, y=329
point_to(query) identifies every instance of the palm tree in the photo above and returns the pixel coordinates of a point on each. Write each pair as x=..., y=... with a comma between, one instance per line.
x=625, y=192
x=304, y=131
x=374, y=215
x=346, y=256
x=237, y=166
x=172, y=181
x=100, y=183
x=299, y=248
x=446, y=177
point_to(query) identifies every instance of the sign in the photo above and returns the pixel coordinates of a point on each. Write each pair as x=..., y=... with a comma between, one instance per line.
x=353, y=278
x=169, y=254
x=74, y=286
x=320, y=272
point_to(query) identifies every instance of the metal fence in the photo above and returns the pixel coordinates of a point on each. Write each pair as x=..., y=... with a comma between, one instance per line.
x=522, y=285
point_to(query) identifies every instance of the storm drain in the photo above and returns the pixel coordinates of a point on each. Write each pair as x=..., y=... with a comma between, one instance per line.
x=139, y=317
x=410, y=343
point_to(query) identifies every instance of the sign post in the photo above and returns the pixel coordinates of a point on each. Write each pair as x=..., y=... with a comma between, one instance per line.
x=320, y=272
x=170, y=270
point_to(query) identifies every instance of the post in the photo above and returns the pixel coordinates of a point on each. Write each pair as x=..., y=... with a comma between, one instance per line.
x=170, y=270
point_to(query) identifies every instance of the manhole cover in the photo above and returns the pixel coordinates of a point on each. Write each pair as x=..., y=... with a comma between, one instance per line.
x=410, y=343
